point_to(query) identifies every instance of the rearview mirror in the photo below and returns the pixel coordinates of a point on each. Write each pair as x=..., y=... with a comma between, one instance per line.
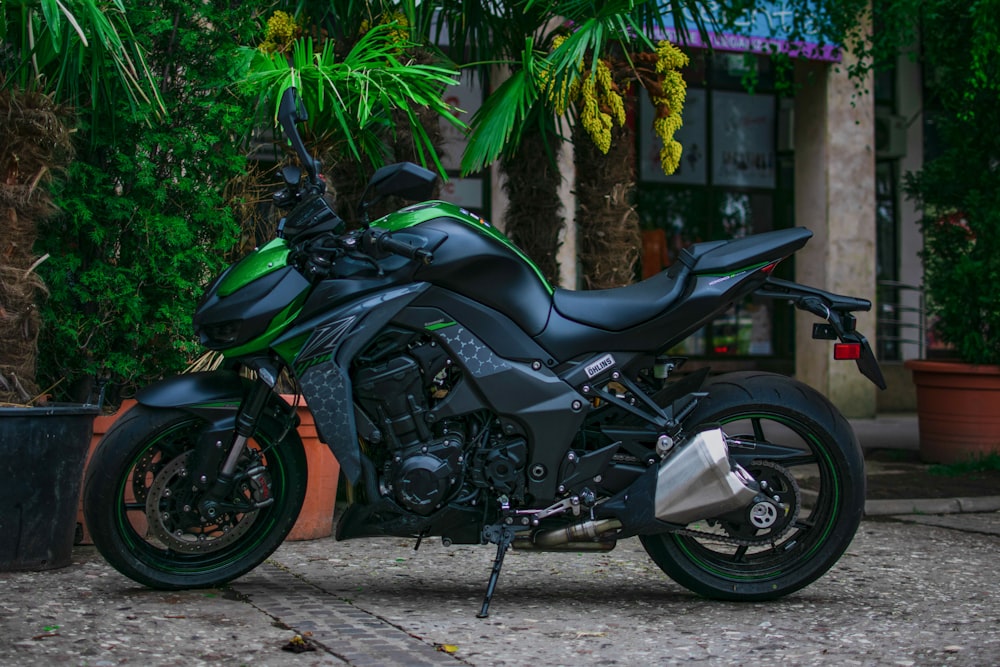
x=290, y=112
x=404, y=179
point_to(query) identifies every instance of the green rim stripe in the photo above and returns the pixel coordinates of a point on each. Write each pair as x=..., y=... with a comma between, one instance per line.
x=129, y=535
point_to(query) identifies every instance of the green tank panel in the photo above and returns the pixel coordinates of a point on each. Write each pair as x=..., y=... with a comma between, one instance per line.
x=260, y=262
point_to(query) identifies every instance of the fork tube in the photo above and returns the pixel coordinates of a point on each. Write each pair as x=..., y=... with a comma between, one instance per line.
x=246, y=424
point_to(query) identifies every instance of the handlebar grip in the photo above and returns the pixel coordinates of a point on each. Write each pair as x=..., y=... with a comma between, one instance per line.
x=386, y=243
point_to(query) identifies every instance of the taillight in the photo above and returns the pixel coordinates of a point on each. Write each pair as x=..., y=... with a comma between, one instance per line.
x=847, y=351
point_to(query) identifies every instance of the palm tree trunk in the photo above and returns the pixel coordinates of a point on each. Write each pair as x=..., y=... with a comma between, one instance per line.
x=34, y=143
x=533, y=218
x=608, y=235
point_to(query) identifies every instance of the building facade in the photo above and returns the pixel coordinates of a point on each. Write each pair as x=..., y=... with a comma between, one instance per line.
x=827, y=155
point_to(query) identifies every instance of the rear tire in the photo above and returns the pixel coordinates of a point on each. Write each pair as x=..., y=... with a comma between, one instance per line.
x=160, y=543
x=756, y=411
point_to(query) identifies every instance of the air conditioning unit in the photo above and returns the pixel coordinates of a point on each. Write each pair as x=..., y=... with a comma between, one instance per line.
x=890, y=136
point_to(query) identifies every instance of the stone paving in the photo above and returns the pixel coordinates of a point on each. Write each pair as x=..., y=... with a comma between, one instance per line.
x=907, y=592
x=913, y=589
x=903, y=594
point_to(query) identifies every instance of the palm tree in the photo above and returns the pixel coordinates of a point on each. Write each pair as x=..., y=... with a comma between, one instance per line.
x=374, y=93
x=56, y=59
x=516, y=123
x=546, y=46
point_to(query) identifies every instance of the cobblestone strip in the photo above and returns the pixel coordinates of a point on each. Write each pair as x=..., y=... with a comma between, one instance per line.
x=346, y=632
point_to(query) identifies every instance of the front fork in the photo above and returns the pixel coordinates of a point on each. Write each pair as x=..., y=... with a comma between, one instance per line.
x=216, y=481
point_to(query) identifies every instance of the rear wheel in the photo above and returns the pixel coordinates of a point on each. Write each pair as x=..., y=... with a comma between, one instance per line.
x=142, y=511
x=802, y=451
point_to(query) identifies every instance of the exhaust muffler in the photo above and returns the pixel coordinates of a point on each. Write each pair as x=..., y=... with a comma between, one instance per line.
x=697, y=482
x=700, y=483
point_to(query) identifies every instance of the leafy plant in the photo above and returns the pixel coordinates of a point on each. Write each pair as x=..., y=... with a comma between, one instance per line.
x=82, y=52
x=352, y=99
x=983, y=463
x=145, y=222
x=959, y=188
x=58, y=58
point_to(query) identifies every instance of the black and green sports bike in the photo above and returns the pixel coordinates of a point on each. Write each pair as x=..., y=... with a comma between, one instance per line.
x=466, y=399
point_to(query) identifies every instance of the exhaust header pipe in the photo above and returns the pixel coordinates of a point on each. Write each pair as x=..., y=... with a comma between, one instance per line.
x=697, y=482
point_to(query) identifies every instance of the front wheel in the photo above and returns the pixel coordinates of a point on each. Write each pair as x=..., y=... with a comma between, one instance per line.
x=142, y=511
x=801, y=450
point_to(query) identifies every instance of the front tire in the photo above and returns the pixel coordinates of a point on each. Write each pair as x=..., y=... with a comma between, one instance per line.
x=138, y=506
x=783, y=432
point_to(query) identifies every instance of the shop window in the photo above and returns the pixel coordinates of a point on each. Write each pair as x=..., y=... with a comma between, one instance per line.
x=732, y=182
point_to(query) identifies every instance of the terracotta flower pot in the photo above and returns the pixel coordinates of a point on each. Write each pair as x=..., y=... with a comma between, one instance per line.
x=316, y=517
x=958, y=410
x=102, y=424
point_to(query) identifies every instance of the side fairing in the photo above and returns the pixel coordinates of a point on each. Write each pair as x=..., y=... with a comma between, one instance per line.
x=320, y=351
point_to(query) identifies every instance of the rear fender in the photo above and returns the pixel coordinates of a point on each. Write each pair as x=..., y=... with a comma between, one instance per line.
x=838, y=310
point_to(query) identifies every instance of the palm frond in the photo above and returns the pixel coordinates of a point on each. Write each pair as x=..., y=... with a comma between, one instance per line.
x=496, y=126
x=83, y=53
x=353, y=98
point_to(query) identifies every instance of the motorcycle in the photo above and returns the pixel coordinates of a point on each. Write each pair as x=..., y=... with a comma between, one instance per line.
x=465, y=398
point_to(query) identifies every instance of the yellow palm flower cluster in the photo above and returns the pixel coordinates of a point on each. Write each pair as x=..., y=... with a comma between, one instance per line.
x=596, y=95
x=601, y=105
x=566, y=93
x=400, y=33
x=281, y=32
x=669, y=103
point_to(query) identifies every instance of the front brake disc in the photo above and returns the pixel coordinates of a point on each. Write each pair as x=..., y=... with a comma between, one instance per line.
x=174, y=518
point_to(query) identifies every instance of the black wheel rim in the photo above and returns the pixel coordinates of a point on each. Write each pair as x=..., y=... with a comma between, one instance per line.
x=130, y=508
x=798, y=448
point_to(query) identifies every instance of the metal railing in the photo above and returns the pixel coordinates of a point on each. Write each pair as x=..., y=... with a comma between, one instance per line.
x=899, y=324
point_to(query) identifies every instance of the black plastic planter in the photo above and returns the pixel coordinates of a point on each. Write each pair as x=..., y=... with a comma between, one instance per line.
x=42, y=453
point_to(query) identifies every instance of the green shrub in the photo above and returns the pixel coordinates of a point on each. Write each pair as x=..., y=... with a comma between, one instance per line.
x=959, y=187
x=146, y=224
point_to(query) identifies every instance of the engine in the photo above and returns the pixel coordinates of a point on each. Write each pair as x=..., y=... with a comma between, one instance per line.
x=426, y=463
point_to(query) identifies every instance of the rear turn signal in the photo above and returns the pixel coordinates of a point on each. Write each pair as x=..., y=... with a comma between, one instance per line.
x=846, y=351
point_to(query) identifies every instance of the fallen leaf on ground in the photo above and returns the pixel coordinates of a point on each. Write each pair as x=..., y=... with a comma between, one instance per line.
x=299, y=644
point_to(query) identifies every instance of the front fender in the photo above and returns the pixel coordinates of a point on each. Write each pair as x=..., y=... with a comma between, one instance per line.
x=209, y=389
x=216, y=397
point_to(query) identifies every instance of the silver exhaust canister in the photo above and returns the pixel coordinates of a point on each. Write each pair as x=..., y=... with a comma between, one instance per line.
x=699, y=482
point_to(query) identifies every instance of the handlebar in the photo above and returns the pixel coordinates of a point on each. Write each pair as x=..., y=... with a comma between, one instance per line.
x=383, y=241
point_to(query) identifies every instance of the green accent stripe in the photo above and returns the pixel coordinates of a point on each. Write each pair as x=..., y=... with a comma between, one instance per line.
x=440, y=325
x=755, y=267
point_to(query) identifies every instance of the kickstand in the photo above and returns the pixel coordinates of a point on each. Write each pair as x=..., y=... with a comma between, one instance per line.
x=502, y=536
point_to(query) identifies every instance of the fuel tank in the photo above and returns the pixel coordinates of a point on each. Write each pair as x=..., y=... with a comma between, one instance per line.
x=476, y=260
